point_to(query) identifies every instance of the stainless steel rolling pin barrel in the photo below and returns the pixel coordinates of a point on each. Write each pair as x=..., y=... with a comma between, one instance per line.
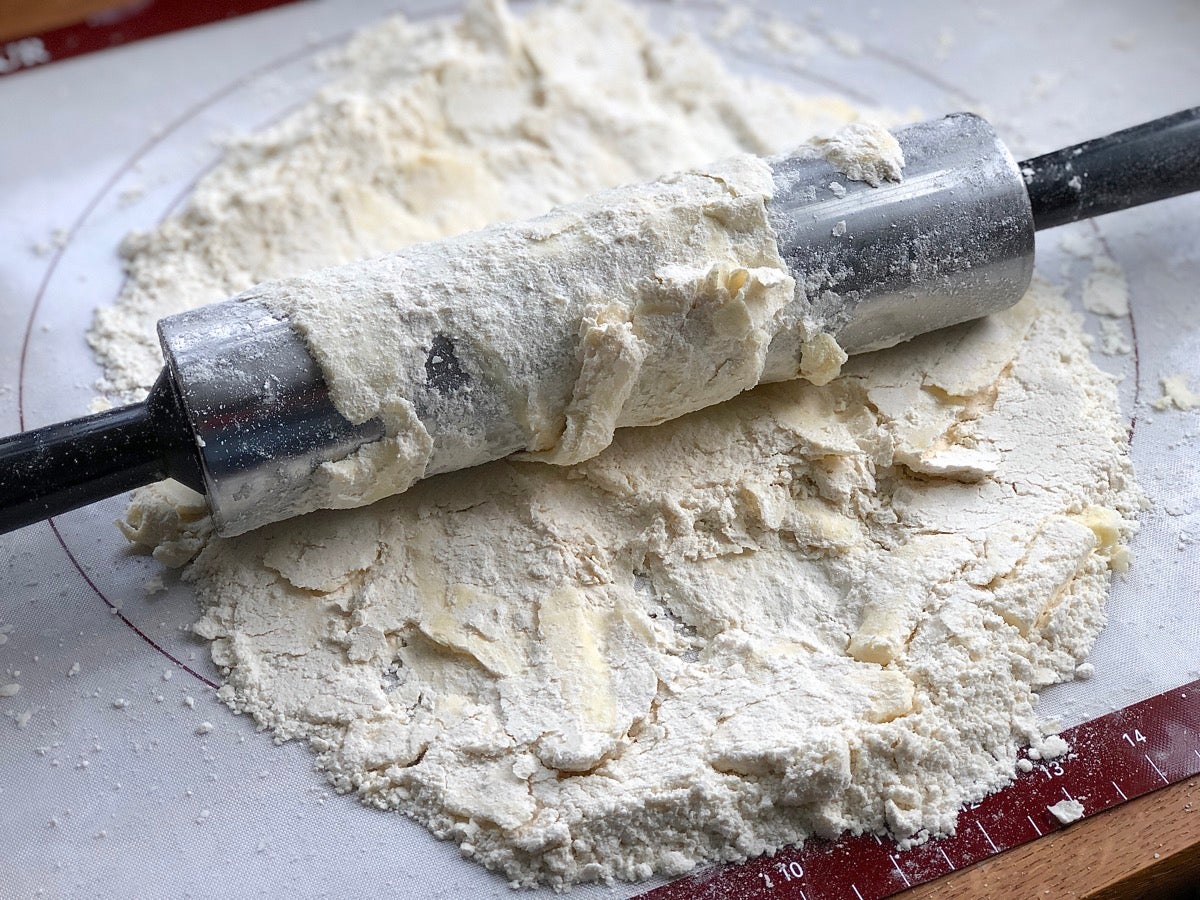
x=242, y=412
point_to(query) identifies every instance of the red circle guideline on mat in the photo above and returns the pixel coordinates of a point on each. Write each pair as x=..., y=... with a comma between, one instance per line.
x=1114, y=758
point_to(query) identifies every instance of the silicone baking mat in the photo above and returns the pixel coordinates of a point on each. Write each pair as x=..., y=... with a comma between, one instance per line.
x=107, y=799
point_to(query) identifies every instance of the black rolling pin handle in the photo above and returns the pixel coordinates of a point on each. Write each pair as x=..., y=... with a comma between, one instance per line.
x=61, y=467
x=1148, y=162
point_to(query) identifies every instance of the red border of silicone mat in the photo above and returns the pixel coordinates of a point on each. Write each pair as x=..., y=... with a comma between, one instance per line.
x=1114, y=758
x=123, y=25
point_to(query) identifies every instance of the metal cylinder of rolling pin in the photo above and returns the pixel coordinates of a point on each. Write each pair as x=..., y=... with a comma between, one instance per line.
x=875, y=266
x=259, y=409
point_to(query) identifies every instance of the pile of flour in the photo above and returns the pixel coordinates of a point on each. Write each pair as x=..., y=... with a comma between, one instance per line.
x=807, y=610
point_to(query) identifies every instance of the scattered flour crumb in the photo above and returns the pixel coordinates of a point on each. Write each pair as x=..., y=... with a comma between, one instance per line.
x=1024, y=765
x=74, y=670
x=1084, y=671
x=204, y=728
x=1067, y=811
x=1176, y=393
x=1105, y=291
x=1113, y=339
x=10, y=690
x=1052, y=747
x=120, y=703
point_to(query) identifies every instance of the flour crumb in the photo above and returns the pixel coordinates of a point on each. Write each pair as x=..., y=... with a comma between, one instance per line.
x=1052, y=747
x=1067, y=811
x=74, y=670
x=1176, y=394
x=1105, y=291
x=1113, y=339
x=10, y=690
x=204, y=728
x=1085, y=672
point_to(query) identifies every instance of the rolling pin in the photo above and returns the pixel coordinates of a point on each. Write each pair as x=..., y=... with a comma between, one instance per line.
x=242, y=413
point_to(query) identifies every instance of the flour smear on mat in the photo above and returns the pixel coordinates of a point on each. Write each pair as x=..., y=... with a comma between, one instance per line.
x=808, y=610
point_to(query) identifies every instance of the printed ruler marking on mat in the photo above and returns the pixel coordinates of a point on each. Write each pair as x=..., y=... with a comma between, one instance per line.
x=1125, y=754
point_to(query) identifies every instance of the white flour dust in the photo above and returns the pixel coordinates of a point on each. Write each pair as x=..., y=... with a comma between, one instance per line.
x=807, y=610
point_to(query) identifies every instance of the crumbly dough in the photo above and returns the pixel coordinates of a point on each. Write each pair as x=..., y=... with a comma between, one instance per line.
x=807, y=610
x=811, y=609
x=862, y=151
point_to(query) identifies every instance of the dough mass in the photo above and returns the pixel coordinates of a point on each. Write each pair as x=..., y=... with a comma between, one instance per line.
x=807, y=610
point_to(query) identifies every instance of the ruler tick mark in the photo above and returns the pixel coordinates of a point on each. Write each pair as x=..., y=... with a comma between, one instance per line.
x=1156, y=768
x=1034, y=824
x=1065, y=794
x=907, y=883
x=1119, y=791
x=991, y=843
x=946, y=858
x=854, y=888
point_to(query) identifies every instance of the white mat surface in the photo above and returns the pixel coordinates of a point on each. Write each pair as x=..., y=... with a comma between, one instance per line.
x=101, y=801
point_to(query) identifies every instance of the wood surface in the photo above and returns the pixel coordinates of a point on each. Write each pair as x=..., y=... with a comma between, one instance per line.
x=19, y=18
x=1146, y=848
